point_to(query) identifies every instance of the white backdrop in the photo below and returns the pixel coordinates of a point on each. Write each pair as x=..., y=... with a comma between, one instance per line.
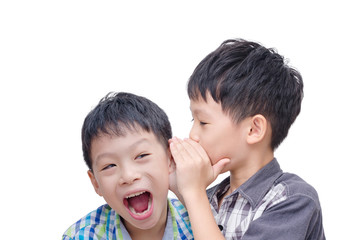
x=58, y=58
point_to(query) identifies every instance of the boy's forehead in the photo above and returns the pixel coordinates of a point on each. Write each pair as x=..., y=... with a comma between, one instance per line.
x=129, y=136
x=108, y=144
x=201, y=106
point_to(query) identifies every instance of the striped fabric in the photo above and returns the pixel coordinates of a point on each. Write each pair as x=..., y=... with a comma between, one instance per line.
x=104, y=223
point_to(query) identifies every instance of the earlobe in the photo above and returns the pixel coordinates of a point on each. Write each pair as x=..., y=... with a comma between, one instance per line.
x=257, y=130
x=94, y=182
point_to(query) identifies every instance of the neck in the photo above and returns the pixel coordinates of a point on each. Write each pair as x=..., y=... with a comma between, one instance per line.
x=148, y=234
x=245, y=170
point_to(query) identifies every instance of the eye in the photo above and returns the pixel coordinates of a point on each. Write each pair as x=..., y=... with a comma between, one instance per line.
x=109, y=166
x=143, y=155
x=200, y=122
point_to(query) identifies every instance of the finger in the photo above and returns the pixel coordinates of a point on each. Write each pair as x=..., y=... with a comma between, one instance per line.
x=219, y=166
x=192, y=152
x=175, y=152
x=178, y=151
x=173, y=139
x=184, y=148
x=198, y=148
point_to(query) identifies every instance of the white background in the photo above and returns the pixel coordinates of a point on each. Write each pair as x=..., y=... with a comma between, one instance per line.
x=58, y=58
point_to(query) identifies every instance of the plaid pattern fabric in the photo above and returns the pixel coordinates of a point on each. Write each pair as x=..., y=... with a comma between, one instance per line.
x=181, y=222
x=104, y=223
x=236, y=213
x=269, y=205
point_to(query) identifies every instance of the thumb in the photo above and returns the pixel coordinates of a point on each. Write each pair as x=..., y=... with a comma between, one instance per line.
x=219, y=166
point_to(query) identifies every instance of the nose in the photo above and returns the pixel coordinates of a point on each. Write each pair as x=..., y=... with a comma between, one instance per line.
x=128, y=175
x=194, y=135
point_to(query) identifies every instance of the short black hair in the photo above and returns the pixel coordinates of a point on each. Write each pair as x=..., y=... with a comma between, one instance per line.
x=249, y=79
x=118, y=112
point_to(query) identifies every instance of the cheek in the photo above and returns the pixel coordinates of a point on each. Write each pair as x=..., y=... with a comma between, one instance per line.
x=162, y=174
x=107, y=185
x=159, y=172
x=160, y=183
x=212, y=147
x=217, y=145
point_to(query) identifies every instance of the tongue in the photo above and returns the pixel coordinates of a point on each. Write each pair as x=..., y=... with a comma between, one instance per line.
x=139, y=203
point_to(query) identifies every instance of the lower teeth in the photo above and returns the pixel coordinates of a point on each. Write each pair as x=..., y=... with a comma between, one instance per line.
x=141, y=213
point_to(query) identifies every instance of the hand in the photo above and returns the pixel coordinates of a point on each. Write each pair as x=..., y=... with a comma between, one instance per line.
x=194, y=171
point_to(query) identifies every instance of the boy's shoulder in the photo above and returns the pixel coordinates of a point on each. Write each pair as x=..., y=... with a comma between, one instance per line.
x=272, y=181
x=295, y=186
x=178, y=208
x=102, y=223
x=181, y=218
x=96, y=224
x=272, y=197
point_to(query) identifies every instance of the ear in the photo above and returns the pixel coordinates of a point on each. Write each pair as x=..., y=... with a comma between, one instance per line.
x=257, y=129
x=94, y=182
x=170, y=162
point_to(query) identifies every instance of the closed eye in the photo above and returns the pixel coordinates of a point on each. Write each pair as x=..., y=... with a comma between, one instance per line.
x=200, y=122
x=109, y=166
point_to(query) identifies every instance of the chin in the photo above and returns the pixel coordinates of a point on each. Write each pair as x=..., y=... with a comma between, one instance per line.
x=150, y=217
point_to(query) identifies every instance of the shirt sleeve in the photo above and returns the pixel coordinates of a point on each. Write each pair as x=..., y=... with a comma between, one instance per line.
x=65, y=237
x=296, y=218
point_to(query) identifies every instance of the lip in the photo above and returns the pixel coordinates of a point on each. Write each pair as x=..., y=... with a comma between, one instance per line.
x=144, y=215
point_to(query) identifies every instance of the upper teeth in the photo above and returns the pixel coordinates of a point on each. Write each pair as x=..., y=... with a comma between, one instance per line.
x=135, y=194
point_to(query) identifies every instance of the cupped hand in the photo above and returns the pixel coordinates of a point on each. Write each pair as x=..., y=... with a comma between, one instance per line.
x=194, y=171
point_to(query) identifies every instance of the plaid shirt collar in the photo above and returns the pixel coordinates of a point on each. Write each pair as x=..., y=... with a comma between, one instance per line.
x=177, y=223
x=254, y=189
x=105, y=223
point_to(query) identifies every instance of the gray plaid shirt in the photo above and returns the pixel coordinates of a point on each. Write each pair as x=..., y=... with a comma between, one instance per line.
x=270, y=205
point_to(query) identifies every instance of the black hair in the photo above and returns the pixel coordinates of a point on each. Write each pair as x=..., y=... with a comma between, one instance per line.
x=249, y=79
x=118, y=112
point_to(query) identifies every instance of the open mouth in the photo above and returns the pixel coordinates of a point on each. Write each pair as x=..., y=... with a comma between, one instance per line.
x=139, y=204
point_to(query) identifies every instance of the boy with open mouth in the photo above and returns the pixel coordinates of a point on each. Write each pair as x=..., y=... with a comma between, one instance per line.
x=125, y=146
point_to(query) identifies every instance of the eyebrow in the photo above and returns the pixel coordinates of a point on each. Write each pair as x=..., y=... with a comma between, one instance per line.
x=132, y=146
x=199, y=111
